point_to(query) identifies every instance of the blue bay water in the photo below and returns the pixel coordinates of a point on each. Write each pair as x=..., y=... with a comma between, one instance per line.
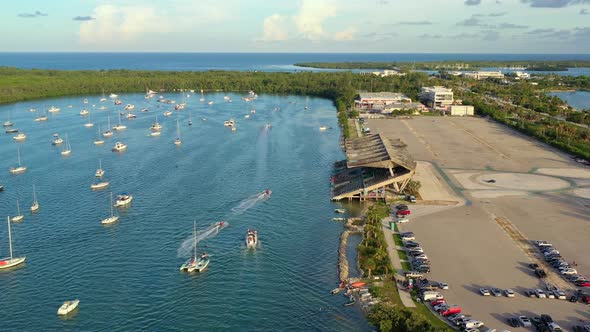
x=247, y=61
x=577, y=99
x=126, y=275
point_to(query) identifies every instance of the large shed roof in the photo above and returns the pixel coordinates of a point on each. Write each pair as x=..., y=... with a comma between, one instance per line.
x=378, y=151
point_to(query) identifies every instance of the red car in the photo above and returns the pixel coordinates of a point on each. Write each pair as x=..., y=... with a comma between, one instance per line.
x=451, y=311
x=437, y=302
x=586, y=299
x=403, y=212
x=583, y=284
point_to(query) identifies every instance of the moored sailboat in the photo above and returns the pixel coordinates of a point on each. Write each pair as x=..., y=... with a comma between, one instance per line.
x=177, y=140
x=35, y=205
x=10, y=261
x=19, y=217
x=20, y=168
x=113, y=217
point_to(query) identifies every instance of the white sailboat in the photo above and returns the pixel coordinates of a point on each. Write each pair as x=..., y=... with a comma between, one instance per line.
x=7, y=123
x=10, y=261
x=99, y=172
x=19, y=217
x=156, y=126
x=89, y=124
x=99, y=185
x=84, y=112
x=119, y=126
x=202, y=96
x=98, y=140
x=190, y=118
x=108, y=133
x=177, y=140
x=113, y=218
x=35, y=205
x=67, y=149
x=20, y=168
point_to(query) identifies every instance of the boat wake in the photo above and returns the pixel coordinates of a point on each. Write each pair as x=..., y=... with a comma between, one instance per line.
x=249, y=202
x=186, y=247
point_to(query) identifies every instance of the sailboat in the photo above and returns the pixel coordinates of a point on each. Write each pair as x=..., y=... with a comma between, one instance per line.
x=195, y=263
x=35, y=206
x=67, y=150
x=20, y=168
x=7, y=123
x=177, y=141
x=11, y=261
x=202, y=96
x=108, y=133
x=119, y=126
x=99, y=172
x=306, y=102
x=190, y=118
x=98, y=140
x=89, y=124
x=19, y=217
x=103, y=98
x=113, y=218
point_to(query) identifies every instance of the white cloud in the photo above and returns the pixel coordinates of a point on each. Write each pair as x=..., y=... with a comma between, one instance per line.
x=311, y=16
x=346, y=34
x=274, y=28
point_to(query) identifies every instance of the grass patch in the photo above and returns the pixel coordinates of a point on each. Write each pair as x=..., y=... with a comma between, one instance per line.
x=431, y=317
x=352, y=133
x=387, y=292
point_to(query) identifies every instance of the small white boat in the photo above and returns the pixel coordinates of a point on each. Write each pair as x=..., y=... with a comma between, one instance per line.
x=57, y=140
x=19, y=217
x=129, y=107
x=84, y=112
x=41, y=118
x=20, y=168
x=177, y=140
x=32, y=110
x=119, y=147
x=102, y=108
x=113, y=217
x=167, y=113
x=123, y=199
x=340, y=210
x=85, y=101
x=19, y=137
x=98, y=140
x=89, y=125
x=8, y=124
x=210, y=103
x=68, y=307
x=10, y=261
x=131, y=116
x=229, y=123
x=102, y=99
x=247, y=116
x=155, y=133
x=251, y=238
x=119, y=126
x=118, y=102
x=35, y=205
x=226, y=97
x=253, y=111
x=99, y=172
x=322, y=128
x=53, y=109
x=112, y=95
x=180, y=106
x=67, y=149
x=338, y=219
x=144, y=110
x=108, y=133
x=99, y=185
x=156, y=126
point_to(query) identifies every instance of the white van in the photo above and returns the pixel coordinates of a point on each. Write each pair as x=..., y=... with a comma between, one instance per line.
x=473, y=324
x=431, y=295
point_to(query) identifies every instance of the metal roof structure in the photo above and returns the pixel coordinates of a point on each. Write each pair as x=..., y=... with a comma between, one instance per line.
x=378, y=151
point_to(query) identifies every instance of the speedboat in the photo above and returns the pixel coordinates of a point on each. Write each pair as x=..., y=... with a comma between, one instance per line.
x=20, y=137
x=251, y=238
x=57, y=140
x=340, y=210
x=167, y=113
x=68, y=307
x=99, y=185
x=119, y=147
x=123, y=199
x=129, y=107
x=266, y=193
x=41, y=118
x=84, y=112
x=118, y=102
x=179, y=106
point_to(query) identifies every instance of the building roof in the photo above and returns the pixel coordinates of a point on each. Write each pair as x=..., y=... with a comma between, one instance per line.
x=382, y=95
x=378, y=151
x=438, y=89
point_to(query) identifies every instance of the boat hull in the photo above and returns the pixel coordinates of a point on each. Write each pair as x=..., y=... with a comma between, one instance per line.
x=68, y=307
x=8, y=263
x=110, y=220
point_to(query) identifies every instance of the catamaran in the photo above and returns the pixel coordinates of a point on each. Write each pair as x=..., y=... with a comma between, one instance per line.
x=113, y=218
x=99, y=172
x=19, y=217
x=177, y=140
x=67, y=149
x=11, y=261
x=195, y=263
x=35, y=205
x=20, y=168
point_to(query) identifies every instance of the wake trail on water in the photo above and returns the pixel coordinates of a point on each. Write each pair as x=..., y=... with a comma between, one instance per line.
x=186, y=247
x=249, y=202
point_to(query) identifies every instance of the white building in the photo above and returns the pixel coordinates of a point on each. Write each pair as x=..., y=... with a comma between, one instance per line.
x=388, y=72
x=520, y=75
x=436, y=96
x=378, y=100
x=461, y=110
x=482, y=75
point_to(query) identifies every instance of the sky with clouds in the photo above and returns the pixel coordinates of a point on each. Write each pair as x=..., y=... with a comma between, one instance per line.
x=355, y=26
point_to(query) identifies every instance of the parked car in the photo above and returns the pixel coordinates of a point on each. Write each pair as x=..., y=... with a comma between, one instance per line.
x=583, y=283
x=451, y=311
x=513, y=321
x=585, y=299
x=540, y=293
x=443, y=285
x=412, y=199
x=473, y=324
x=550, y=294
x=411, y=244
x=413, y=274
x=402, y=220
x=534, y=266
x=568, y=271
x=541, y=244
x=407, y=234
x=509, y=293
x=401, y=207
x=540, y=273
x=536, y=321
x=559, y=294
x=546, y=319
x=496, y=292
x=529, y=293
x=524, y=321
x=403, y=212
x=454, y=317
x=484, y=291
x=437, y=302
x=554, y=327
x=408, y=237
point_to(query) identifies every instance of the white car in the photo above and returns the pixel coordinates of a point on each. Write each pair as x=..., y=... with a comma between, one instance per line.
x=484, y=291
x=473, y=324
x=568, y=271
x=540, y=294
x=402, y=220
x=509, y=293
x=408, y=238
x=554, y=327
x=524, y=321
x=559, y=294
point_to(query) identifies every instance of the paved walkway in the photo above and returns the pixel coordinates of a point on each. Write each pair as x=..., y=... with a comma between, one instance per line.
x=405, y=296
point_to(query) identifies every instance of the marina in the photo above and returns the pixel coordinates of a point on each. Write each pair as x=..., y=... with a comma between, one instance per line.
x=172, y=186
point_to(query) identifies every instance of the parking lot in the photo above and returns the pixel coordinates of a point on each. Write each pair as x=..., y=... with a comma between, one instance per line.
x=539, y=193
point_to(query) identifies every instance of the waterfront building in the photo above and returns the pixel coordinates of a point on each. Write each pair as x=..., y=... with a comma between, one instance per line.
x=482, y=75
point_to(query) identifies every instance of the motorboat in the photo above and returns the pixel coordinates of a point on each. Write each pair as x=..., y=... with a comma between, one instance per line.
x=19, y=217
x=144, y=110
x=11, y=130
x=226, y=98
x=10, y=261
x=179, y=106
x=247, y=116
x=68, y=307
x=351, y=301
x=99, y=185
x=131, y=116
x=129, y=107
x=322, y=128
x=156, y=126
x=167, y=113
x=155, y=133
x=53, y=109
x=84, y=112
x=19, y=137
x=229, y=123
x=210, y=103
x=118, y=102
x=251, y=238
x=266, y=193
x=113, y=217
x=338, y=219
x=123, y=199
x=20, y=168
x=119, y=147
x=41, y=118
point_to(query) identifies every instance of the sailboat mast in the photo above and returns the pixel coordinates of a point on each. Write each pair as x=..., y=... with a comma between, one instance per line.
x=195, y=237
x=9, y=236
x=34, y=195
x=17, y=208
x=18, y=153
x=112, y=204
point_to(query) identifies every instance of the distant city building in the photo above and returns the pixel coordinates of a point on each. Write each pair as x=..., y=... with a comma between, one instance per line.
x=388, y=72
x=436, y=96
x=482, y=75
x=461, y=110
x=378, y=100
